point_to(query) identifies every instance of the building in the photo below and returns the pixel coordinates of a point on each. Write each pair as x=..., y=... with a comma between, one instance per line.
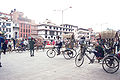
x=6, y=25
x=49, y=30
x=25, y=24
x=87, y=33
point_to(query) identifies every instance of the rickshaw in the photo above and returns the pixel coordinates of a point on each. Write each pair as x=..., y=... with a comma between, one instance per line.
x=39, y=43
x=67, y=50
x=110, y=61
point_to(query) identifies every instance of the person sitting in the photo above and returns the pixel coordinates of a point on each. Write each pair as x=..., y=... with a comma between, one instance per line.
x=99, y=53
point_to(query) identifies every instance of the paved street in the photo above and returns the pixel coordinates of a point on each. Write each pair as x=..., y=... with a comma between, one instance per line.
x=20, y=66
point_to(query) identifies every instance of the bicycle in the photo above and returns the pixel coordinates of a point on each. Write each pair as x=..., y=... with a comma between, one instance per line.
x=109, y=60
x=19, y=49
x=80, y=57
x=68, y=53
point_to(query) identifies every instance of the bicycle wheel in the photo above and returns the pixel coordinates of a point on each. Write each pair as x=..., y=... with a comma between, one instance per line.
x=18, y=51
x=79, y=60
x=51, y=53
x=67, y=54
x=110, y=64
x=72, y=53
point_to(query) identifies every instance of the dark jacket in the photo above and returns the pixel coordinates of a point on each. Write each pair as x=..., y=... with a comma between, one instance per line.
x=4, y=46
x=31, y=44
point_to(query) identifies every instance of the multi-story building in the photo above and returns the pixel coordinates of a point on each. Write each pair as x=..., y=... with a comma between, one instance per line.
x=25, y=24
x=49, y=30
x=7, y=26
x=85, y=32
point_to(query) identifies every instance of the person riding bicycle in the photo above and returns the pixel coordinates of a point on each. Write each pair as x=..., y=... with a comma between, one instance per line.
x=58, y=44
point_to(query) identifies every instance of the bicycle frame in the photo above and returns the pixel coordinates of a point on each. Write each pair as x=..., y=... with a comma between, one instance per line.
x=85, y=54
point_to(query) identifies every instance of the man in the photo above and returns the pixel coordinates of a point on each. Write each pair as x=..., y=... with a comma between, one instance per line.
x=14, y=43
x=1, y=41
x=31, y=44
x=25, y=44
x=59, y=44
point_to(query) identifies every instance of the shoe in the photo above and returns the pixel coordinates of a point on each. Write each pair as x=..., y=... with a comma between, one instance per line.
x=0, y=65
x=58, y=54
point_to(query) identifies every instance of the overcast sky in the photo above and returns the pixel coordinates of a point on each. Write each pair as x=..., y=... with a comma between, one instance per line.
x=98, y=14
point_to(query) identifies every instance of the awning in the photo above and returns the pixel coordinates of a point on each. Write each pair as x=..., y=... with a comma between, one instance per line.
x=109, y=34
x=67, y=35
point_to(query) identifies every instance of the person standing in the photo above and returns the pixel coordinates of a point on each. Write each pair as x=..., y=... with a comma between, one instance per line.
x=9, y=45
x=1, y=41
x=14, y=43
x=31, y=43
x=4, y=47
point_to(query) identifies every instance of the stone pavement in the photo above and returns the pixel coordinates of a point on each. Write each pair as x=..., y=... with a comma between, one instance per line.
x=20, y=66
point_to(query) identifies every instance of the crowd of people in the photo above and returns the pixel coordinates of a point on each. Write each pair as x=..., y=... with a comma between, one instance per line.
x=31, y=43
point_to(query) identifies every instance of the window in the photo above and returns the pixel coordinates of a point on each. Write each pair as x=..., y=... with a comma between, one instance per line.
x=66, y=29
x=60, y=28
x=21, y=35
x=0, y=29
x=29, y=26
x=63, y=29
x=50, y=27
x=54, y=37
x=9, y=36
x=8, y=24
x=9, y=29
x=3, y=29
x=3, y=23
x=45, y=26
x=15, y=24
x=26, y=35
x=24, y=30
x=6, y=29
x=60, y=33
x=51, y=36
x=45, y=36
x=51, y=32
x=45, y=31
x=0, y=23
x=56, y=33
x=21, y=30
x=24, y=25
x=54, y=27
x=29, y=30
x=21, y=24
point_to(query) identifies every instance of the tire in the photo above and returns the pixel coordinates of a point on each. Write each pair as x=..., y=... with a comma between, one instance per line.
x=73, y=53
x=79, y=60
x=51, y=53
x=18, y=51
x=67, y=55
x=110, y=64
